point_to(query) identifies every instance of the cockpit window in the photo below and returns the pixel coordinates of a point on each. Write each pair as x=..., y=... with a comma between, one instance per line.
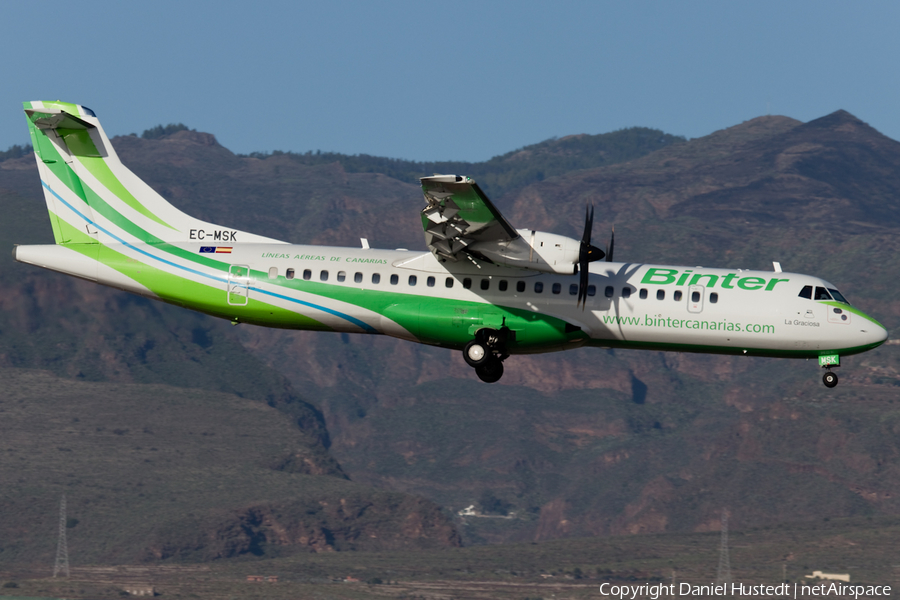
x=806, y=292
x=838, y=296
x=822, y=293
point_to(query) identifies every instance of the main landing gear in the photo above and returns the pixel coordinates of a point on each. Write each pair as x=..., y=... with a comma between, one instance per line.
x=830, y=378
x=486, y=353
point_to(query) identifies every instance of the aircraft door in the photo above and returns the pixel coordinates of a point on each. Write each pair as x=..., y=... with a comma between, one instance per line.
x=238, y=285
x=695, y=298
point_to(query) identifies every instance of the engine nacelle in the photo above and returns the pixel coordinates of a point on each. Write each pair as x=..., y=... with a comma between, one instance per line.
x=536, y=250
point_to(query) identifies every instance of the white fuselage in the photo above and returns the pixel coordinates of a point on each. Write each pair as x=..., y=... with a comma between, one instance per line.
x=629, y=305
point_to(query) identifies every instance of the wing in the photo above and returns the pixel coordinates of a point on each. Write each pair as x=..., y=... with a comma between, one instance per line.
x=458, y=215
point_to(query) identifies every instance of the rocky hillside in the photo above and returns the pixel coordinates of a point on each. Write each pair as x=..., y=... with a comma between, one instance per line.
x=156, y=472
x=585, y=441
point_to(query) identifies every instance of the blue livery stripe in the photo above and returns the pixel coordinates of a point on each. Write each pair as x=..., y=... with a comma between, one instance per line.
x=365, y=326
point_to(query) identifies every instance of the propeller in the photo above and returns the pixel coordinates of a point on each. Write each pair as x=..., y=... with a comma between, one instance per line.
x=586, y=254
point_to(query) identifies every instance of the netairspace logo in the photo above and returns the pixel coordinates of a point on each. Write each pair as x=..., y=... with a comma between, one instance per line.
x=655, y=591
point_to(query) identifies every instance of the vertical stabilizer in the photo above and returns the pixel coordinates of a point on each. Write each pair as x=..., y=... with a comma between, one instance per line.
x=93, y=198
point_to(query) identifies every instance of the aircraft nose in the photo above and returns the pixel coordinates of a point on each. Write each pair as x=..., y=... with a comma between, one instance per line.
x=875, y=334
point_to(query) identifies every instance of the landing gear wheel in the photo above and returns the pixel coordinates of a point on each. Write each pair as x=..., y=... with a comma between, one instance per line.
x=476, y=354
x=491, y=371
x=830, y=379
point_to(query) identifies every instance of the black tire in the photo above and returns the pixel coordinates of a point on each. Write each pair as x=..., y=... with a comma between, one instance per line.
x=476, y=354
x=491, y=371
x=830, y=379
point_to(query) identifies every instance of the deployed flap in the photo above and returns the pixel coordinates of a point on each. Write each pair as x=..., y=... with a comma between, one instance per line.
x=459, y=215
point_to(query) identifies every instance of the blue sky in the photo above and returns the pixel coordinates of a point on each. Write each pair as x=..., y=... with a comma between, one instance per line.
x=447, y=80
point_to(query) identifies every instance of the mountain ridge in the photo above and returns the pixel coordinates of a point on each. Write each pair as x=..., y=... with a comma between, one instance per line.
x=592, y=440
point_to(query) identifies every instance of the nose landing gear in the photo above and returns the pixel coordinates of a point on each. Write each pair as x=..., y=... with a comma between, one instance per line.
x=486, y=354
x=826, y=361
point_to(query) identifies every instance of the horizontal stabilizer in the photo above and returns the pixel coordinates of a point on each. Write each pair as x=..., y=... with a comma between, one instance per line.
x=55, y=118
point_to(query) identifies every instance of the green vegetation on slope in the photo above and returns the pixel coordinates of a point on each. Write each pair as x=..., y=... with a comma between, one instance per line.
x=154, y=133
x=16, y=151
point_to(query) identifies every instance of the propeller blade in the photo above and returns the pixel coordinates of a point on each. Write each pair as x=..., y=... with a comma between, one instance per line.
x=586, y=254
x=583, y=275
x=612, y=241
x=588, y=224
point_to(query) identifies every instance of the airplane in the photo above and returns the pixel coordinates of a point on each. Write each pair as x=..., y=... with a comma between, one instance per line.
x=483, y=288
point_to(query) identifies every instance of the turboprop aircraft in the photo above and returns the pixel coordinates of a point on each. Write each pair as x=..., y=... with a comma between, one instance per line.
x=483, y=288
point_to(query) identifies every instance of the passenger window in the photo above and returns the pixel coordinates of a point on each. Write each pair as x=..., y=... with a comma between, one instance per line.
x=467, y=283
x=643, y=293
x=538, y=287
x=609, y=291
x=485, y=284
x=376, y=277
x=307, y=274
x=573, y=289
x=448, y=282
x=806, y=292
x=323, y=276
x=713, y=298
x=822, y=293
x=626, y=292
x=273, y=272
x=289, y=274
x=592, y=290
x=520, y=286
x=430, y=282
x=503, y=285
x=695, y=296
x=342, y=275
x=357, y=278
x=677, y=296
x=395, y=279
x=557, y=288
x=412, y=280
x=660, y=294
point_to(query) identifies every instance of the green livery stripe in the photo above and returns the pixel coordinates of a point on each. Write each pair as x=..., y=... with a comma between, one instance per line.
x=66, y=175
x=82, y=146
x=452, y=324
x=850, y=309
x=101, y=171
x=449, y=323
x=171, y=288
